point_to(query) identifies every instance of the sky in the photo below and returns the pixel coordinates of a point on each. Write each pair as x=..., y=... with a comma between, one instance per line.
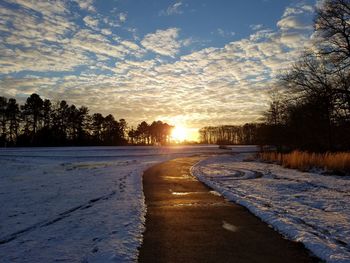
x=190, y=63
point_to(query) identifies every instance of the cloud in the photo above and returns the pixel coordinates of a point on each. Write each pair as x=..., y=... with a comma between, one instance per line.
x=188, y=41
x=256, y=26
x=163, y=42
x=204, y=87
x=34, y=38
x=294, y=17
x=298, y=9
x=291, y=22
x=97, y=43
x=38, y=37
x=294, y=40
x=211, y=86
x=224, y=33
x=90, y=21
x=26, y=85
x=172, y=9
x=122, y=17
x=106, y=31
x=44, y=7
x=86, y=5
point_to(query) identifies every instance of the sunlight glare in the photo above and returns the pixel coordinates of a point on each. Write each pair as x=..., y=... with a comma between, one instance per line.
x=179, y=134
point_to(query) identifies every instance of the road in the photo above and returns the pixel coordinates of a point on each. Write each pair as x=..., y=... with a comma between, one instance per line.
x=187, y=222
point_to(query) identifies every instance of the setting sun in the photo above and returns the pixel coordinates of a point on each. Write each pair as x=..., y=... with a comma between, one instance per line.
x=179, y=134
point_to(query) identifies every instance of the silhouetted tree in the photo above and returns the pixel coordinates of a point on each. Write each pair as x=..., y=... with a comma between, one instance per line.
x=132, y=135
x=41, y=123
x=63, y=115
x=13, y=117
x=47, y=112
x=160, y=132
x=143, y=130
x=110, y=131
x=122, y=128
x=3, y=119
x=230, y=134
x=33, y=112
x=82, y=124
x=97, y=125
x=333, y=27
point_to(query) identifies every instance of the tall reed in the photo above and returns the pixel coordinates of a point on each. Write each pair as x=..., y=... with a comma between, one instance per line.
x=331, y=162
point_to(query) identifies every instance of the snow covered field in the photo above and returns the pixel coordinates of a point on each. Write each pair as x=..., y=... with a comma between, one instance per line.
x=78, y=204
x=86, y=204
x=306, y=207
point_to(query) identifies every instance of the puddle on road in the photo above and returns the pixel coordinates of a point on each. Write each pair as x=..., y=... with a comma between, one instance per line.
x=174, y=178
x=229, y=226
x=187, y=193
x=197, y=204
x=181, y=193
x=183, y=177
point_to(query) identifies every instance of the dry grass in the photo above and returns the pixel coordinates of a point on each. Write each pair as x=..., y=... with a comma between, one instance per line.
x=331, y=162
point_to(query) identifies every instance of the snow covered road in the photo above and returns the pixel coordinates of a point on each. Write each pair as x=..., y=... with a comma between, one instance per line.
x=310, y=208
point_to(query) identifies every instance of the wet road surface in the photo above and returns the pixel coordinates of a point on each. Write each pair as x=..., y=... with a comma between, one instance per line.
x=187, y=222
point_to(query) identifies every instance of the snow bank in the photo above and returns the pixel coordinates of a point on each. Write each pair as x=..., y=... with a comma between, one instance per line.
x=305, y=207
x=78, y=204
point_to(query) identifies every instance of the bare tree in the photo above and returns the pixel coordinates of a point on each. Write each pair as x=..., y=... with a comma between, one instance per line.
x=332, y=23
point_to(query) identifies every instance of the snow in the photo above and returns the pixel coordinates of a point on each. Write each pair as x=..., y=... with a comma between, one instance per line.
x=305, y=207
x=242, y=148
x=85, y=204
x=76, y=204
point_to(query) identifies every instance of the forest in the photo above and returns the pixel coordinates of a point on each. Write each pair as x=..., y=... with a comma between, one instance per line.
x=42, y=123
x=310, y=109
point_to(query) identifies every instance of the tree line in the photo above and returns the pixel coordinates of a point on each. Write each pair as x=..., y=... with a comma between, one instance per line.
x=310, y=110
x=151, y=134
x=230, y=134
x=42, y=123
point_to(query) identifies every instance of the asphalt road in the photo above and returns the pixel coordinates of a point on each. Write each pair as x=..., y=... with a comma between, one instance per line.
x=185, y=222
